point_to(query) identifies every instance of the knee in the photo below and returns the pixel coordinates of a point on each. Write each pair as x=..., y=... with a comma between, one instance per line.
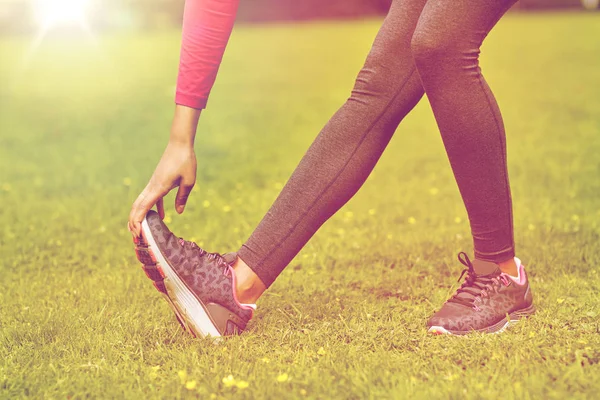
x=426, y=47
x=432, y=48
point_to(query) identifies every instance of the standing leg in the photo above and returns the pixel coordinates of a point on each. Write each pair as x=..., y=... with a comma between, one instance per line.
x=343, y=154
x=446, y=49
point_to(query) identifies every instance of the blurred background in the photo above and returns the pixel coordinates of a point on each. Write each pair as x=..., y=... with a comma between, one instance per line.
x=86, y=102
x=22, y=16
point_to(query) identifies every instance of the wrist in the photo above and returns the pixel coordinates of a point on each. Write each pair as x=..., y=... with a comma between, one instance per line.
x=185, y=123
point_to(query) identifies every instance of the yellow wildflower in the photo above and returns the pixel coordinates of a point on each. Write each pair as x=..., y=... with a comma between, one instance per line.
x=191, y=385
x=229, y=381
x=182, y=376
x=242, y=384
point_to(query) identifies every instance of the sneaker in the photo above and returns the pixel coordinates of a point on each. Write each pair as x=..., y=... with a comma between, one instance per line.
x=199, y=286
x=488, y=301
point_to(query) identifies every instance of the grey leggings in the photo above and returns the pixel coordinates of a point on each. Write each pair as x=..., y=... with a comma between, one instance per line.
x=427, y=46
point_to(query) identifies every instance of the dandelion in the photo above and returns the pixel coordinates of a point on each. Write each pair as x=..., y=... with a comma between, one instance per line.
x=321, y=351
x=283, y=378
x=58, y=243
x=412, y=220
x=433, y=191
x=341, y=232
x=560, y=301
x=242, y=384
x=229, y=381
x=531, y=227
x=389, y=236
x=206, y=204
x=102, y=229
x=191, y=385
x=349, y=214
x=168, y=219
x=531, y=334
x=303, y=392
x=575, y=218
x=154, y=372
x=451, y=377
x=226, y=209
x=278, y=185
x=265, y=360
x=127, y=182
x=458, y=220
x=182, y=376
x=372, y=211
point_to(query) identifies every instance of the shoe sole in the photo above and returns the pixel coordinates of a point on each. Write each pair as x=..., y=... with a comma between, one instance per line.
x=498, y=327
x=189, y=310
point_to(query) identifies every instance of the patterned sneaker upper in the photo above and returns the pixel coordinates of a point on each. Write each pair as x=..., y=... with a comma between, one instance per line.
x=208, y=275
x=484, y=299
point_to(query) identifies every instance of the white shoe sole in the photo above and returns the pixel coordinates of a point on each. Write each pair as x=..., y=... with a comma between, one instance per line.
x=188, y=308
x=499, y=327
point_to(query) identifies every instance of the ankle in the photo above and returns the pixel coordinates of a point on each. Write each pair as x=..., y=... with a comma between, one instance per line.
x=249, y=287
x=509, y=267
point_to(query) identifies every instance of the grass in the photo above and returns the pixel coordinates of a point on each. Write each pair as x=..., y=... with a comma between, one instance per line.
x=83, y=124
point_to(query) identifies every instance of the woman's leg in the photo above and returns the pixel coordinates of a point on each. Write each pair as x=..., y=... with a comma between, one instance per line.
x=344, y=153
x=446, y=46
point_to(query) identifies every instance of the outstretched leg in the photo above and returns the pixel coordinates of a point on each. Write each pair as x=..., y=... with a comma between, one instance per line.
x=345, y=152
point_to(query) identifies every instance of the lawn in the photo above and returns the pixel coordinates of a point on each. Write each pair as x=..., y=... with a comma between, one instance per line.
x=84, y=120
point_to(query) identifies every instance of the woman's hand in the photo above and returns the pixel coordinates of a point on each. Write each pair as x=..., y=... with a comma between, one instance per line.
x=176, y=168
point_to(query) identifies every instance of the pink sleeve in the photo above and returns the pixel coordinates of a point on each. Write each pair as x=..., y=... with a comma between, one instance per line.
x=207, y=25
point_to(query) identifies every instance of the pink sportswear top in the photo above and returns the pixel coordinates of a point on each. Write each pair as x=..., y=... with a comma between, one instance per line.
x=207, y=25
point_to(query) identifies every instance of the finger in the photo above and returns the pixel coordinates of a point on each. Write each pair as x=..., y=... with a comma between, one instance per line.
x=160, y=207
x=182, y=196
x=145, y=201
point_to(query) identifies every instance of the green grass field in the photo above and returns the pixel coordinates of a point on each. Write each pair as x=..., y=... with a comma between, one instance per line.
x=84, y=121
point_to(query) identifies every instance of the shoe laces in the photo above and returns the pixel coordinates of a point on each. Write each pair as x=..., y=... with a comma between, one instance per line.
x=218, y=258
x=475, y=286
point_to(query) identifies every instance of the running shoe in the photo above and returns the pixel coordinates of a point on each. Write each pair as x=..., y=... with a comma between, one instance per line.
x=488, y=300
x=198, y=285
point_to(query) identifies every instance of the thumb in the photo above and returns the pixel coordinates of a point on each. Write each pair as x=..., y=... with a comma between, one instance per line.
x=182, y=196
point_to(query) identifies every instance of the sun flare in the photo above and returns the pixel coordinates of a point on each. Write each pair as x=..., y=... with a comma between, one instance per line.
x=50, y=13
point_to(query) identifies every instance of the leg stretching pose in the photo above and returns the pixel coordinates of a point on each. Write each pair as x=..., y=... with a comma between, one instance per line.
x=423, y=46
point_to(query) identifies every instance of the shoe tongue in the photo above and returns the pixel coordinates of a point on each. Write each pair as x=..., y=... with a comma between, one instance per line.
x=481, y=268
x=485, y=268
